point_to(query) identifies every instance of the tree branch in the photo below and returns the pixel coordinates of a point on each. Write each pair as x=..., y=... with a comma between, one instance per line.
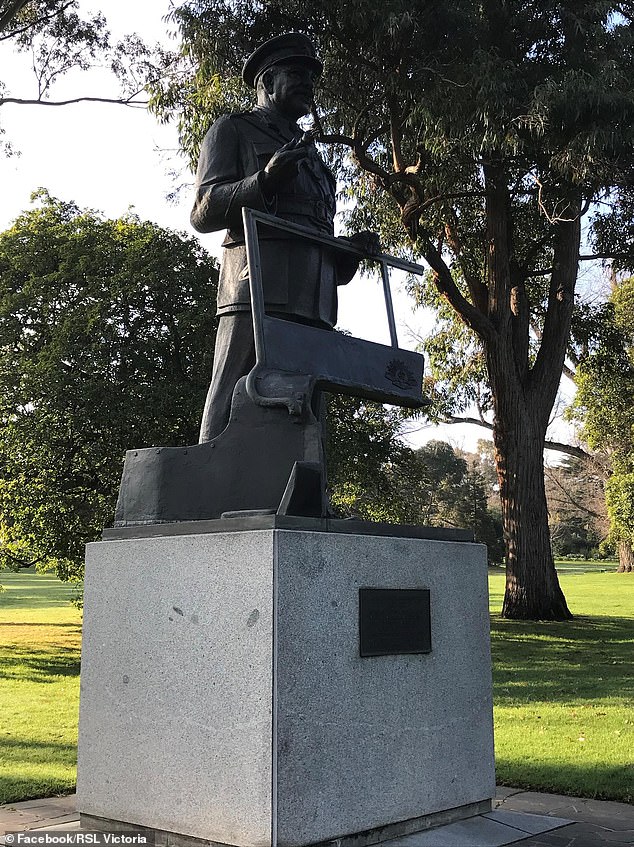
x=520, y=321
x=567, y=371
x=20, y=562
x=359, y=153
x=396, y=138
x=546, y=372
x=558, y=446
x=543, y=272
x=592, y=257
x=555, y=480
x=445, y=284
x=39, y=21
x=498, y=246
x=121, y=101
x=11, y=12
x=477, y=289
x=454, y=419
x=568, y=449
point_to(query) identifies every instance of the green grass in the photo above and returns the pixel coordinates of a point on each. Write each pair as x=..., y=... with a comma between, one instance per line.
x=563, y=692
x=40, y=640
x=585, y=565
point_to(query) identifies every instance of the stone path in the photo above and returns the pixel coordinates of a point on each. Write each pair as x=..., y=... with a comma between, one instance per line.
x=594, y=823
x=38, y=814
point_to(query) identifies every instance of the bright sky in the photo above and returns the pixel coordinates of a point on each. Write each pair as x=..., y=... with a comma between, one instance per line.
x=112, y=158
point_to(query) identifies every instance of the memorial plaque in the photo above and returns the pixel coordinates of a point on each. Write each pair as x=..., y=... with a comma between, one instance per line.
x=394, y=621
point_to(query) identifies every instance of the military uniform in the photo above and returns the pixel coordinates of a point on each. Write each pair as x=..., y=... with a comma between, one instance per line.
x=299, y=279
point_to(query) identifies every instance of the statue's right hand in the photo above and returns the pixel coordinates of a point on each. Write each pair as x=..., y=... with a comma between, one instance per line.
x=283, y=165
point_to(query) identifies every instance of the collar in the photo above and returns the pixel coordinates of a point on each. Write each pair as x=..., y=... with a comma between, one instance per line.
x=276, y=121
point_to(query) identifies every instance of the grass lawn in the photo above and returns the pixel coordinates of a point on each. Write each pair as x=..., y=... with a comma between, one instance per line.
x=585, y=565
x=40, y=640
x=563, y=692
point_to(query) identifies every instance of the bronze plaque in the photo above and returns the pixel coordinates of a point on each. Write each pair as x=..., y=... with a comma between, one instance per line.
x=394, y=621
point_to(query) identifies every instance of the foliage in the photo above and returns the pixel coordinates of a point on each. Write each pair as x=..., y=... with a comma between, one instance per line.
x=374, y=476
x=363, y=449
x=106, y=338
x=576, y=503
x=58, y=39
x=605, y=407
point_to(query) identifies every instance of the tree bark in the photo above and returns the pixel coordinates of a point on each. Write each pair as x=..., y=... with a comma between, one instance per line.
x=626, y=557
x=523, y=389
x=532, y=586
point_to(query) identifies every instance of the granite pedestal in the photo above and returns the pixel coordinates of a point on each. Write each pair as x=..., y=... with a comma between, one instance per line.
x=224, y=697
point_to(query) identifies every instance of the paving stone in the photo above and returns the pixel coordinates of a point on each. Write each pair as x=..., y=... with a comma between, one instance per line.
x=70, y=825
x=531, y=824
x=616, y=816
x=579, y=835
x=66, y=801
x=18, y=819
x=605, y=813
x=503, y=791
x=542, y=804
x=476, y=832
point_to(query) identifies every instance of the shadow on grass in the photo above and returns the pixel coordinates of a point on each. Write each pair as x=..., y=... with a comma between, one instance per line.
x=598, y=781
x=37, y=751
x=28, y=665
x=576, y=661
x=48, y=624
x=38, y=769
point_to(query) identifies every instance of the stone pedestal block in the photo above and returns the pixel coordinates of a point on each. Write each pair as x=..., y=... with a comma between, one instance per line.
x=224, y=697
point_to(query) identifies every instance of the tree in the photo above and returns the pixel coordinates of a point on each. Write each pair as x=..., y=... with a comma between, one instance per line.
x=373, y=475
x=106, y=339
x=605, y=407
x=363, y=451
x=58, y=40
x=478, y=134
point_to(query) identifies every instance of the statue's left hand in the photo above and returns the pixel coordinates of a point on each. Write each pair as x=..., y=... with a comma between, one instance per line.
x=367, y=241
x=347, y=265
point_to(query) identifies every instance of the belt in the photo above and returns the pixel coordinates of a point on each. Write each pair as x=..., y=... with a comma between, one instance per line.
x=291, y=204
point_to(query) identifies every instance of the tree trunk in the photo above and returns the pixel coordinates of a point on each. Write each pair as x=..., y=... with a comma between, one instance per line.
x=532, y=587
x=626, y=557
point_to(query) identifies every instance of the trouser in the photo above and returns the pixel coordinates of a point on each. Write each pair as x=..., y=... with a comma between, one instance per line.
x=234, y=357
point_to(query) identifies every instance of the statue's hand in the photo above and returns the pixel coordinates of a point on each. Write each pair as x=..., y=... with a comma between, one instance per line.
x=283, y=165
x=367, y=241
x=347, y=265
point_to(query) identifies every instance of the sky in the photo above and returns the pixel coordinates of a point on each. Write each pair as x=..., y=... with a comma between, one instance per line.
x=112, y=158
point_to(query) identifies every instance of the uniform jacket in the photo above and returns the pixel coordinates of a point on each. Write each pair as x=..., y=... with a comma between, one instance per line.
x=298, y=278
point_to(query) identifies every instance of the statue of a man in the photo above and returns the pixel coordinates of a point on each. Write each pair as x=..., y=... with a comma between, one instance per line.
x=262, y=160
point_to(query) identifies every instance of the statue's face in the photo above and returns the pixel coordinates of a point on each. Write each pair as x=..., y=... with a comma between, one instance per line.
x=293, y=89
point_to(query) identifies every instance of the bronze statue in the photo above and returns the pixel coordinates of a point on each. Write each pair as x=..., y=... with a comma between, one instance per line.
x=262, y=160
x=261, y=448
